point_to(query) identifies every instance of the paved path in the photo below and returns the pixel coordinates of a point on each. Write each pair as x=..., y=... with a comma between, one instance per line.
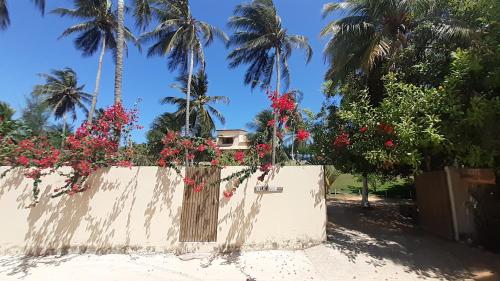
x=374, y=244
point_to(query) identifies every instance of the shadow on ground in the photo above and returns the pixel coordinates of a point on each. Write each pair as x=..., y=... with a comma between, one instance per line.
x=383, y=235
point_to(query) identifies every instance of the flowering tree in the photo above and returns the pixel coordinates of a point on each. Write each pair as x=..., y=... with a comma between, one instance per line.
x=392, y=138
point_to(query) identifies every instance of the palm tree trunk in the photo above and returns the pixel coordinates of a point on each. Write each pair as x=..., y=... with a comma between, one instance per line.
x=278, y=90
x=188, y=96
x=120, y=42
x=293, y=145
x=364, y=193
x=97, y=81
x=63, y=136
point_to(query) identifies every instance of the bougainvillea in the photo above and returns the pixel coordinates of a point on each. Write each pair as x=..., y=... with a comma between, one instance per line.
x=93, y=146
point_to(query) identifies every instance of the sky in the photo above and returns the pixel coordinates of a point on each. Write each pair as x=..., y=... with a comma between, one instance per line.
x=31, y=46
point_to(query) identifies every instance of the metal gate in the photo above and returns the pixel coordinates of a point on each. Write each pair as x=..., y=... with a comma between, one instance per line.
x=200, y=209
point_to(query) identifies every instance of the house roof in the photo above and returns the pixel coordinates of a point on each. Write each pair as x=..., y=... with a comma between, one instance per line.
x=229, y=130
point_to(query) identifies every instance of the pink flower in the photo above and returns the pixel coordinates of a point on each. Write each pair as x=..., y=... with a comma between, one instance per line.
x=199, y=187
x=214, y=162
x=363, y=129
x=201, y=148
x=342, y=140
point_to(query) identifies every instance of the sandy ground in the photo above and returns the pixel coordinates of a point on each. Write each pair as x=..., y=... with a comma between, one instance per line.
x=375, y=244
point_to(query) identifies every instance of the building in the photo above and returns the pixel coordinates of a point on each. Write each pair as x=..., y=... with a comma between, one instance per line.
x=233, y=139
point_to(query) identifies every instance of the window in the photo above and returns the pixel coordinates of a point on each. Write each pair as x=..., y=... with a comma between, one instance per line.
x=226, y=141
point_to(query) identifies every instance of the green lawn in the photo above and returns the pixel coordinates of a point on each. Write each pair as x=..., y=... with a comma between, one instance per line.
x=349, y=184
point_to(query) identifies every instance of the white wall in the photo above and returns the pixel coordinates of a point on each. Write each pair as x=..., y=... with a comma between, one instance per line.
x=140, y=208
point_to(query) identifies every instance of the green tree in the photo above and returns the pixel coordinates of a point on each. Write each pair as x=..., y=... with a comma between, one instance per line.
x=261, y=41
x=159, y=128
x=181, y=37
x=6, y=111
x=366, y=40
x=201, y=112
x=62, y=94
x=97, y=32
x=4, y=12
x=35, y=115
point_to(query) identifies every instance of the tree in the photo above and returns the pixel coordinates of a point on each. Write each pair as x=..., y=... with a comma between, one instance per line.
x=6, y=111
x=98, y=31
x=159, y=128
x=120, y=42
x=62, y=94
x=4, y=12
x=181, y=36
x=202, y=112
x=365, y=41
x=35, y=115
x=260, y=40
x=262, y=132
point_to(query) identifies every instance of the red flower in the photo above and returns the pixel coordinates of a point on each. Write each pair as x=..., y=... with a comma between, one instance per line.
x=284, y=119
x=239, y=157
x=228, y=194
x=266, y=167
x=162, y=162
x=199, y=187
x=271, y=123
x=190, y=156
x=263, y=149
x=124, y=163
x=342, y=140
x=23, y=160
x=201, y=148
x=189, y=181
x=214, y=162
x=363, y=129
x=389, y=144
x=386, y=128
x=302, y=135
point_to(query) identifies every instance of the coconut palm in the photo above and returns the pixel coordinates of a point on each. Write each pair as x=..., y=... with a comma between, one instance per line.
x=261, y=41
x=62, y=94
x=4, y=12
x=181, y=37
x=98, y=31
x=160, y=126
x=261, y=131
x=142, y=14
x=201, y=112
x=373, y=31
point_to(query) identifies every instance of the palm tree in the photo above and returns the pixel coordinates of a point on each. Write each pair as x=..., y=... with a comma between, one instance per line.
x=201, y=113
x=120, y=41
x=260, y=40
x=62, y=94
x=180, y=36
x=142, y=14
x=160, y=126
x=96, y=32
x=4, y=12
x=261, y=131
x=373, y=31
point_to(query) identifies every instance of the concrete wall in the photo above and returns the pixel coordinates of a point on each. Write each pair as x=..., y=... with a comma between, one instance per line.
x=140, y=208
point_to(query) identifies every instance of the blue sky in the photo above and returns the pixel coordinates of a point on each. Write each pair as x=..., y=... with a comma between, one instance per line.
x=31, y=46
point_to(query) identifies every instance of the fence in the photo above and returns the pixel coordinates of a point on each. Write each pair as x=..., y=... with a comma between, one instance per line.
x=142, y=208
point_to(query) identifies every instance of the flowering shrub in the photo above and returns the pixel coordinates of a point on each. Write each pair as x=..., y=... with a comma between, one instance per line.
x=93, y=146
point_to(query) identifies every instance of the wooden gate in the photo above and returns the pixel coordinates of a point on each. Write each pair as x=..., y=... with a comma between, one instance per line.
x=200, y=209
x=433, y=200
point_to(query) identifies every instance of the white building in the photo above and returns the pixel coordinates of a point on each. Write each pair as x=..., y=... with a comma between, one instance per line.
x=233, y=139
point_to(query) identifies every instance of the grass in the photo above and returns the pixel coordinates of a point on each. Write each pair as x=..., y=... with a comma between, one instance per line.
x=350, y=184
